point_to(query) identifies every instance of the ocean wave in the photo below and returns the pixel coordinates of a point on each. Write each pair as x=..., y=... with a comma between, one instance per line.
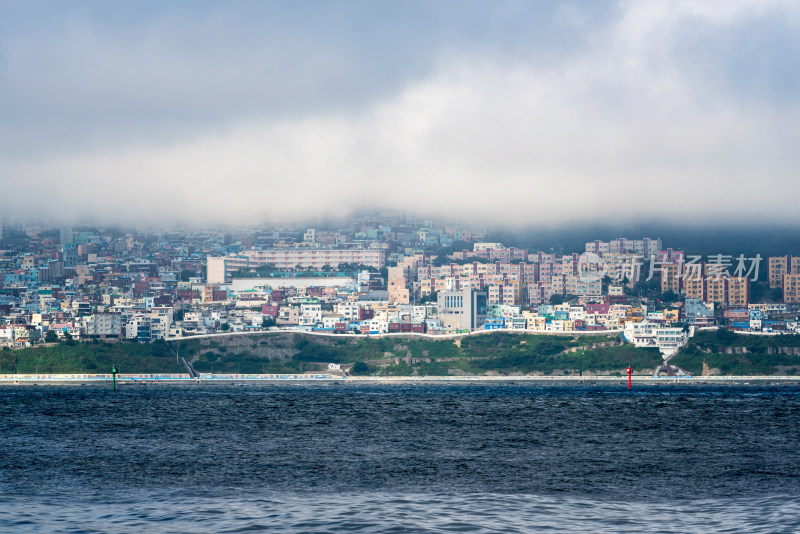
x=393, y=513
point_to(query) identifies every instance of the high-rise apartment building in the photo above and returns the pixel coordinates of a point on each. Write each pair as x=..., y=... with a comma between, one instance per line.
x=791, y=288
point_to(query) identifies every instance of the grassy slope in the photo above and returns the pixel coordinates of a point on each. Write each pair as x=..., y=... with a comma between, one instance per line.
x=708, y=346
x=542, y=359
x=499, y=352
x=709, y=339
x=738, y=364
x=91, y=358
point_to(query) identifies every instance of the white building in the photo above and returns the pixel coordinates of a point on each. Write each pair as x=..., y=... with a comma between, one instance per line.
x=646, y=334
x=463, y=309
x=219, y=268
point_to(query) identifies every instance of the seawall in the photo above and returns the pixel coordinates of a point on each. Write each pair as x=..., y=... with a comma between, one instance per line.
x=306, y=378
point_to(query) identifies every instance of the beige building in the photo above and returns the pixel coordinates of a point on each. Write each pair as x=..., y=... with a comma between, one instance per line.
x=397, y=285
x=791, y=289
x=778, y=266
x=215, y=270
x=728, y=291
x=716, y=291
x=738, y=291
x=671, y=277
x=503, y=293
x=694, y=281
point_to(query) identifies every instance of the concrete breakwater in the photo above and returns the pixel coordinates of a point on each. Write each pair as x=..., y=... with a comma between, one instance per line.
x=304, y=378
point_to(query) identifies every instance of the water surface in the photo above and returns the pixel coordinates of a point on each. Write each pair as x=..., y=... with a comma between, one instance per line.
x=397, y=458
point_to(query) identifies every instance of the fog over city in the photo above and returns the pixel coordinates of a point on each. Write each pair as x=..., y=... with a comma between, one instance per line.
x=524, y=113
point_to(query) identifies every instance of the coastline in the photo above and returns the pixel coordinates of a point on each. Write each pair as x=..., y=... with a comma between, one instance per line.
x=132, y=379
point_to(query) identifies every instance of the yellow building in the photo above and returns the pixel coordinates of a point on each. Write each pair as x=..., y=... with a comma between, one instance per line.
x=634, y=314
x=672, y=316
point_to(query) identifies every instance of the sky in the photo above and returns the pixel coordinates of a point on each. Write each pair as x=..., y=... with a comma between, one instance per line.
x=493, y=112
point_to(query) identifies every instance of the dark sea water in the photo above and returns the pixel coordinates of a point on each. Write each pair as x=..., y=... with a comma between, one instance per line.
x=400, y=458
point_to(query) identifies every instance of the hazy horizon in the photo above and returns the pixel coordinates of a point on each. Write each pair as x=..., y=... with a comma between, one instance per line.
x=693, y=238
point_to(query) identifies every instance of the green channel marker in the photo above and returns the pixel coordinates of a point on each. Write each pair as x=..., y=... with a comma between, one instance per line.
x=114, y=377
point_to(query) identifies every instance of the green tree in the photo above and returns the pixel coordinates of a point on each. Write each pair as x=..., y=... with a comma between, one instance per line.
x=432, y=297
x=669, y=297
x=461, y=245
x=266, y=270
x=776, y=294
x=68, y=339
x=359, y=368
x=440, y=259
x=267, y=321
x=51, y=337
x=758, y=291
x=225, y=327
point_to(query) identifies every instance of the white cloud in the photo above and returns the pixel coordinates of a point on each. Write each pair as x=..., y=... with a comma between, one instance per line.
x=622, y=130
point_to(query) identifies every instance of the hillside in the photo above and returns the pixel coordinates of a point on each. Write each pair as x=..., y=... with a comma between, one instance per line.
x=722, y=352
x=505, y=353
x=501, y=353
x=91, y=358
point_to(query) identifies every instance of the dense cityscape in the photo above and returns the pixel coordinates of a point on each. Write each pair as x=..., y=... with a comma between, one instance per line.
x=377, y=275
